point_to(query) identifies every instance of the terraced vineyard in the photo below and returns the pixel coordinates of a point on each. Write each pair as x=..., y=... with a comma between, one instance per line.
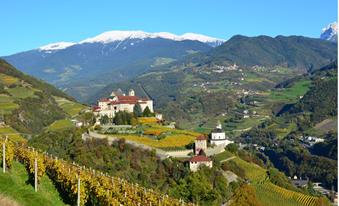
x=269, y=194
x=71, y=108
x=12, y=134
x=177, y=140
x=158, y=136
x=60, y=124
x=252, y=171
x=7, y=104
x=96, y=188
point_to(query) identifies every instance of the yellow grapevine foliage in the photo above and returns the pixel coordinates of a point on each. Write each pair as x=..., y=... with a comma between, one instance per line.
x=9, y=149
x=95, y=188
x=27, y=157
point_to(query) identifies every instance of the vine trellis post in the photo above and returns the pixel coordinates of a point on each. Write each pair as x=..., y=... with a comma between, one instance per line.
x=35, y=174
x=78, y=200
x=4, y=157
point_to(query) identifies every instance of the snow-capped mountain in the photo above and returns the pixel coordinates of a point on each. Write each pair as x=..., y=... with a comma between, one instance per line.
x=330, y=32
x=114, y=36
x=56, y=46
x=108, y=57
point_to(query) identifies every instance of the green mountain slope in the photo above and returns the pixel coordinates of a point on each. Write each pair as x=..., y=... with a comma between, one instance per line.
x=292, y=51
x=208, y=86
x=27, y=104
x=320, y=101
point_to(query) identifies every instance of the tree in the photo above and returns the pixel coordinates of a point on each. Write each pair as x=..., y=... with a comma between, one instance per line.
x=232, y=148
x=104, y=119
x=137, y=110
x=123, y=118
x=245, y=195
x=134, y=121
x=147, y=112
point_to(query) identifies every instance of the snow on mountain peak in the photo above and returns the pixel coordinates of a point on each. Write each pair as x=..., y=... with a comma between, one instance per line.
x=112, y=36
x=117, y=35
x=56, y=46
x=199, y=37
x=330, y=32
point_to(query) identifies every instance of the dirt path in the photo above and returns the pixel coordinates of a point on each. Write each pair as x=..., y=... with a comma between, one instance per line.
x=228, y=159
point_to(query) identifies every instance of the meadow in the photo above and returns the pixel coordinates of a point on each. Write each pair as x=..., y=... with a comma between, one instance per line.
x=11, y=133
x=291, y=94
x=71, y=108
x=60, y=125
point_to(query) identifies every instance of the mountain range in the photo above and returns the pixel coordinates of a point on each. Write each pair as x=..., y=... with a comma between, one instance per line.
x=83, y=68
x=202, y=87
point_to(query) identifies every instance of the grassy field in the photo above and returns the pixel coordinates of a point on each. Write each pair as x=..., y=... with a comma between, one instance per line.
x=252, y=171
x=13, y=185
x=12, y=134
x=282, y=129
x=326, y=126
x=21, y=92
x=7, y=104
x=60, y=125
x=71, y=108
x=8, y=80
x=222, y=156
x=291, y=94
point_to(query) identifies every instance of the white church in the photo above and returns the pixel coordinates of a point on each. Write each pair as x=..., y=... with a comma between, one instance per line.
x=218, y=136
x=119, y=101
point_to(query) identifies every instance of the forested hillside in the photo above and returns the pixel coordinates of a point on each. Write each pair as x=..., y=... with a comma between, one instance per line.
x=290, y=51
x=312, y=114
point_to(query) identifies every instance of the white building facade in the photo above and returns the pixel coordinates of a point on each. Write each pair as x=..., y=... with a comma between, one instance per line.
x=199, y=160
x=218, y=136
x=121, y=102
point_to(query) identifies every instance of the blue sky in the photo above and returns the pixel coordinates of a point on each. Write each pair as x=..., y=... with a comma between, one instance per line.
x=30, y=24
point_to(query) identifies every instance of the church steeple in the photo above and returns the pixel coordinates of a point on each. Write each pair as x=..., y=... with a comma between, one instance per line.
x=219, y=125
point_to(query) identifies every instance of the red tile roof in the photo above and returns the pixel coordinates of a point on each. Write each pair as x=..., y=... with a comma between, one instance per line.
x=126, y=100
x=200, y=158
x=201, y=137
x=104, y=100
x=95, y=108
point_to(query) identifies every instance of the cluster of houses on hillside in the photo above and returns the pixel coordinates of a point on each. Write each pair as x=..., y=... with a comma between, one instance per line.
x=217, y=138
x=309, y=141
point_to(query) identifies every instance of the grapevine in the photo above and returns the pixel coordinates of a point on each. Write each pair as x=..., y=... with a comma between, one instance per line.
x=9, y=149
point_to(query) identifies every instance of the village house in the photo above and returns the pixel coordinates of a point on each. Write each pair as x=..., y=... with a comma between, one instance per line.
x=197, y=161
x=118, y=101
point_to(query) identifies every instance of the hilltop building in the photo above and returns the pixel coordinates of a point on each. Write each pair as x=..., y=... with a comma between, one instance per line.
x=200, y=144
x=218, y=136
x=197, y=161
x=118, y=101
